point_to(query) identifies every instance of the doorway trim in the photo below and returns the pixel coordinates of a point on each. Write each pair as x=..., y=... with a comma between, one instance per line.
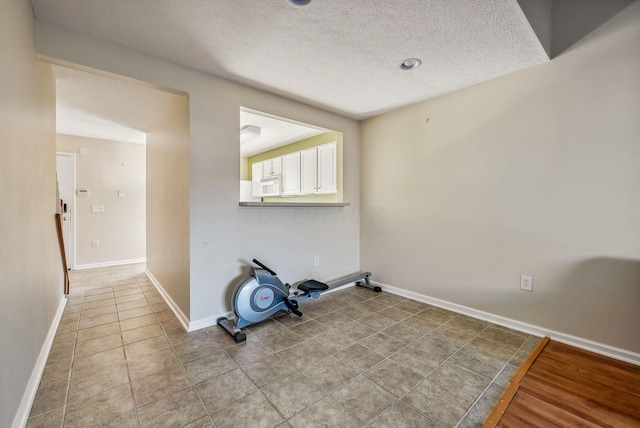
x=72, y=221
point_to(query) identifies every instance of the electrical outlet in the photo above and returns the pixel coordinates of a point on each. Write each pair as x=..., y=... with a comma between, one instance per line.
x=316, y=261
x=95, y=243
x=526, y=283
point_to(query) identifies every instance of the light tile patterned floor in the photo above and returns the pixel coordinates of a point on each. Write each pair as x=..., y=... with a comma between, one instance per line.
x=356, y=358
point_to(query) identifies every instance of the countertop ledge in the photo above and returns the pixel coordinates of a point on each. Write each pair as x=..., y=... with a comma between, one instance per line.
x=293, y=204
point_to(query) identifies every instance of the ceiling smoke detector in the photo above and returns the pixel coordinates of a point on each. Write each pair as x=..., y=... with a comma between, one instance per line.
x=300, y=2
x=410, y=64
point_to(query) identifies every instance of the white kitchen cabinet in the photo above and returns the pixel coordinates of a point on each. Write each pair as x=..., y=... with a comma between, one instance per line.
x=266, y=169
x=276, y=166
x=271, y=167
x=308, y=171
x=291, y=174
x=256, y=176
x=327, y=169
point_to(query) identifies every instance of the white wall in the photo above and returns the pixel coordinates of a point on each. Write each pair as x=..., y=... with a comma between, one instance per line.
x=535, y=173
x=168, y=200
x=223, y=236
x=108, y=166
x=31, y=276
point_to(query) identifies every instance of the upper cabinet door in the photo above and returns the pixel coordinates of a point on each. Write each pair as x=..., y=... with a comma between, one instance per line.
x=327, y=168
x=308, y=172
x=291, y=174
x=267, y=170
x=276, y=166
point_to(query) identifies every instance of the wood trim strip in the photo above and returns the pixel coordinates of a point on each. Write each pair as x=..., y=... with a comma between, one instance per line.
x=508, y=395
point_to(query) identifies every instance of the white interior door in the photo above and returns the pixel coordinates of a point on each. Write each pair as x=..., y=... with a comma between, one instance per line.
x=66, y=171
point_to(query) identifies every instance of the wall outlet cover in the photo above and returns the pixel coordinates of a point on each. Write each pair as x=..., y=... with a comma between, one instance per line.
x=526, y=283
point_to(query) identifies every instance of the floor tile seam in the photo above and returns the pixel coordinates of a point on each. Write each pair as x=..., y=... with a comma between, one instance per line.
x=440, y=365
x=347, y=410
x=106, y=368
x=64, y=402
x=388, y=409
x=284, y=418
x=179, y=361
x=450, y=357
x=135, y=403
x=99, y=393
x=384, y=357
x=473, y=405
x=133, y=396
x=523, y=343
x=433, y=418
x=68, y=389
x=475, y=402
x=461, y=329
x=506, y=330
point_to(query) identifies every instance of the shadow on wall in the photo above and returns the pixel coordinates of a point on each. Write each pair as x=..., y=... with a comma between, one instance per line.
x=604, y=294
x=596, y=299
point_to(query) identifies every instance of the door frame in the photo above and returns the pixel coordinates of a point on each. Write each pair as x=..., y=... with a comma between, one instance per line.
x=72, y=221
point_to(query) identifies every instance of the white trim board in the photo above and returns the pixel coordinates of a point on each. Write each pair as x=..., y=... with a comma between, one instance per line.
x=114, y=263
x=184, y=320
x=578, y=342
x=209, y=321
x=29, y=395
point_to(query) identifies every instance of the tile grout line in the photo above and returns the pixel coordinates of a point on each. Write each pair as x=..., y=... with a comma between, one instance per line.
x=332, y=355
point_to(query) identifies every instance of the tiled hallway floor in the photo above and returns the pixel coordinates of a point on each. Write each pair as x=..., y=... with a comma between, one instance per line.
x=356, y=358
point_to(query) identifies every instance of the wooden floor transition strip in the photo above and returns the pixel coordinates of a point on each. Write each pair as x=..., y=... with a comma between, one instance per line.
x=506, y=398
x=560, y=385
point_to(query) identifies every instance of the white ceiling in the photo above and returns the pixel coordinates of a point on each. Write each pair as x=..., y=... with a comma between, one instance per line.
x=90, y=105
x=341, y=55
x=274, y=132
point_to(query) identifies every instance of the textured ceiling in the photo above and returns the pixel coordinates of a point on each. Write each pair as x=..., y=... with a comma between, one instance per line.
x=341, y=55
x=89, y=105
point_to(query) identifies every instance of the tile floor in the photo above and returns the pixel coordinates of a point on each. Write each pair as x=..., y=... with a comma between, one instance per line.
x=356, y=358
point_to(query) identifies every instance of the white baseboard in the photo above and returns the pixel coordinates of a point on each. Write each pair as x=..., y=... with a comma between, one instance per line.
x=209, y=321
x=184, y=320
x=29, y=395
x=578, y=342
x=113, y=263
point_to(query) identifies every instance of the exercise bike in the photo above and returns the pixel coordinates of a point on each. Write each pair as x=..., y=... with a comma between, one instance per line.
x=262, y=294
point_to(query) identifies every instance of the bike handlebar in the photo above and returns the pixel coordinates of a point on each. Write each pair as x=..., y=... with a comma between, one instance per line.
x=265, y=267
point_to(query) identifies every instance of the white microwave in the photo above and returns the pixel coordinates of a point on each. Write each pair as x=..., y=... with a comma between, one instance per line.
x=270, y=186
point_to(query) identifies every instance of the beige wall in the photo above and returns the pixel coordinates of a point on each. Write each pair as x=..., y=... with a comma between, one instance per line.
x=108, y=166
x=168, y=200
x=30, y=268
x=535, y=173
x=224, y=236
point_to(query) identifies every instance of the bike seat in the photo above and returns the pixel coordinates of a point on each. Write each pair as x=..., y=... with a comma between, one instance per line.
x=312, y=285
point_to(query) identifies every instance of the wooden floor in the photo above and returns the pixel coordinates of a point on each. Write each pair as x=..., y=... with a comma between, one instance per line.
x=569, y=387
